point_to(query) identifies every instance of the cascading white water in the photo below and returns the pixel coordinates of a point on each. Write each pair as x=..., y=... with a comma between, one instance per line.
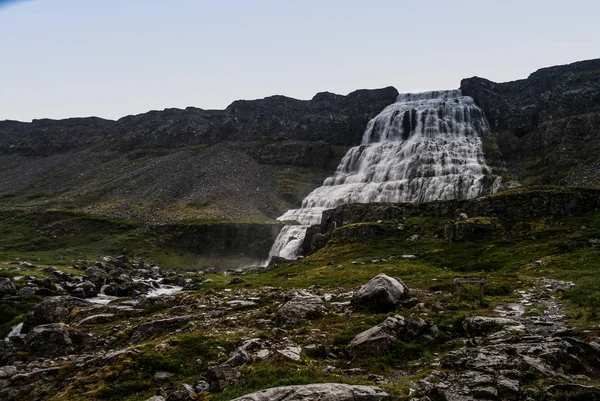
x=424, y=147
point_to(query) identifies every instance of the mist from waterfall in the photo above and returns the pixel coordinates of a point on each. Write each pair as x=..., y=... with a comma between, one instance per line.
x=424, y=147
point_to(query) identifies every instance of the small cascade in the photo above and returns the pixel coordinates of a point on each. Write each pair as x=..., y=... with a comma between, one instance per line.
x=15, y=331
x=156, y=285
x=424, y=147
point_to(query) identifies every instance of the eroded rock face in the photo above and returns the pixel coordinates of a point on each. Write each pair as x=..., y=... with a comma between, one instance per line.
x=52, y=310
x=377, y=340
x=381, y=294
x=555, y=112
x=480, y=325
x=300, y=309
x=49, y=340
x=324, y=391
x=222, y=376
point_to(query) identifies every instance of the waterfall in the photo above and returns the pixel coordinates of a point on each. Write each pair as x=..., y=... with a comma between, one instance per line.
x=424, y=147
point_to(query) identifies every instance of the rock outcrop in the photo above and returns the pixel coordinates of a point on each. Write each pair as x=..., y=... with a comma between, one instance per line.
x=325, y=391
x=7, y=287
x=546, y=127
x=379, y=339
x=49, y=340
x=381, y=294
x=299, y=309
x=52, y=310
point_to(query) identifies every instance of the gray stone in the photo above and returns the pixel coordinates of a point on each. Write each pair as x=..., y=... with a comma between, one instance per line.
x=7, y=287
x=49, y=340
x=381, y=294
x=238, y=358
x=52, y=310
x=153, y=328
x=322, y=391
x=202, y=386
x=508, y=389
x=7, y=372
x=183, y=393
x=479, y=325
x=97, y=319
x=162, y=376
x=291, y=352
x=377, y=340
x=300, y=309
x=220, y=377
x=572, y=391
x=28, y=291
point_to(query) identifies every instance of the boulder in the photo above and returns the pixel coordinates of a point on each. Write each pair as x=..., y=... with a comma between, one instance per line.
x=7, y=287
x=97, y=275
x=157, y=327
x=7, y=372
x=238, y=358
x=300, y=309
x=49, y=340
x=222, y=376
x=379, y=339
x=183, y=393
x=572, y=391
x=52, y=310
x=381, y=294
x=321, y=391
x=89, y=289
x=480, y=325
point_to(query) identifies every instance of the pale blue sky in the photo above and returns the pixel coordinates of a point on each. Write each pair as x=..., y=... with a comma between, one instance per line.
x=111, y=58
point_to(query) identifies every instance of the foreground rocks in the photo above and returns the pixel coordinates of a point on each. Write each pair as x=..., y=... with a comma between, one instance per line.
x=325, y=392
x=49, y=340
x=52, y=310
x=300, y=308
x=379, y=339
x=381, y=294
x=518, y=358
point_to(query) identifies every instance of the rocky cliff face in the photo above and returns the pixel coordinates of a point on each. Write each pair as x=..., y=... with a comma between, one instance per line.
x=546, y=127
x=252, y=160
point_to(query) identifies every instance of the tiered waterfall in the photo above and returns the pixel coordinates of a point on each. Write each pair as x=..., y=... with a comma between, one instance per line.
x=424, y=147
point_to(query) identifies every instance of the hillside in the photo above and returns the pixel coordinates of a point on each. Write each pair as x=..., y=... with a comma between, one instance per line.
x=251, y=161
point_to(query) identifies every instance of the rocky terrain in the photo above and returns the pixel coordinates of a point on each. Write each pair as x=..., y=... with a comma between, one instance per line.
x=370, y=315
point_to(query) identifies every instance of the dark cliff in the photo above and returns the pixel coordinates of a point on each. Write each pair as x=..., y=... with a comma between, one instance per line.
x=336, y=119
x=546, y=128
x=253, y=160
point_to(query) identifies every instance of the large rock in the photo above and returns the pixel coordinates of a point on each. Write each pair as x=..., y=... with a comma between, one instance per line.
x=7, y=287
x=572, y=392
x=300, y=309
x=321, y=392
x=157, y=327
x=381, y=294
x=379, y=339
x=52, y=310
x=222, y=376
x=480, y=325
x=49, y=340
